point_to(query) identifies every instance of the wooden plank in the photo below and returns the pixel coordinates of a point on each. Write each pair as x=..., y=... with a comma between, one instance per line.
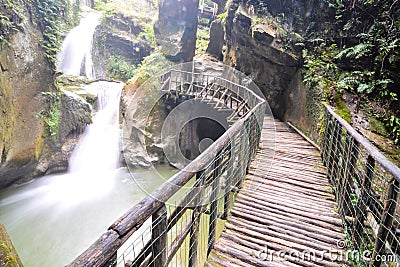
x=287, y=206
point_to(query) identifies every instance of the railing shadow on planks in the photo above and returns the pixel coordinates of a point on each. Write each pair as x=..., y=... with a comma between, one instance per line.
x=366, y=185
x=157, y=234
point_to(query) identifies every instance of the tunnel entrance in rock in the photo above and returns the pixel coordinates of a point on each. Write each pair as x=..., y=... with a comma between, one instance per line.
x=198, y=134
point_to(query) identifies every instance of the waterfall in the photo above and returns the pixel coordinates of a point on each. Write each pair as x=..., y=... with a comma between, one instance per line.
x=75, y=57
x=98, y=150
x=95, y=159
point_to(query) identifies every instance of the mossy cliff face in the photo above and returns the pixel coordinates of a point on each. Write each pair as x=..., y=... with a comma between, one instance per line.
x=121, y=41
x=256, y=47
x=26, y=77
x=264, y=39
x=25, y=73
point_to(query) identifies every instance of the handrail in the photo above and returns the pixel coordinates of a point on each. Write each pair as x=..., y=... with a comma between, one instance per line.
x=153, y=202
x=209, y=168
x=222, y=79
x=367, y=189
x=389, y=166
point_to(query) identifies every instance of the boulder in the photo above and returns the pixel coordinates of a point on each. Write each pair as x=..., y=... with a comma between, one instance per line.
x=175, y=30
x=216, y=43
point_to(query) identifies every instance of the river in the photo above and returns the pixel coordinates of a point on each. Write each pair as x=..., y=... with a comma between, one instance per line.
x=53, y=219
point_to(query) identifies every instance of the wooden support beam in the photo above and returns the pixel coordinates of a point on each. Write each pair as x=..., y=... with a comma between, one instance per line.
x=159, y=237
x=195, y=227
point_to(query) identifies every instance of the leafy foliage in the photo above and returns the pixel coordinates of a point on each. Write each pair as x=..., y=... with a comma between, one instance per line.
x=202, y=39
x=394, y=124
x=120, y=69
x=52, y=18
x=47, y=16
x=108, y=10
x=51, y=115
x=366, y=57
x=148, y=34
x=371, y=61
x=319, y=76
x=6, y=257
x=11, y=18
x=150, y=66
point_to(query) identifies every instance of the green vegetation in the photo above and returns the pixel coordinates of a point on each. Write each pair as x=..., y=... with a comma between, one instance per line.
x=319, y=76
x=107, y=9
x=202, y=39
x=222, y=17
x=141, y=11
x=54, y=17
x=6, y=259
x=364, y=59
x=51, y=115
x=148, y=34
x=120, y=69
x=134, y=20
x=150, y=66
x=11, y=19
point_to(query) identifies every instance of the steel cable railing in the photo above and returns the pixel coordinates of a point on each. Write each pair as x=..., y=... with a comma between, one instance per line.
x=156, y=234
x=366, y=185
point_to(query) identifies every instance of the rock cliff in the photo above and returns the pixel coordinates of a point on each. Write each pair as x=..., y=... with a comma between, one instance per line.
x=26, y=76
x=175, y=30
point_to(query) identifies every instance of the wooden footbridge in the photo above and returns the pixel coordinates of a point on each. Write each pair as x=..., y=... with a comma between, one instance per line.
x=261, y=195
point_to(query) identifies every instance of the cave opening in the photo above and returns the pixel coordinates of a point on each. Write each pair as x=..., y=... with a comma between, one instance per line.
x=198, y=134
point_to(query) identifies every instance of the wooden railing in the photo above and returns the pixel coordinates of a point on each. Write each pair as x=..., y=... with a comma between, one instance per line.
x=222, y=92
x=367, y=188
x=158, y=234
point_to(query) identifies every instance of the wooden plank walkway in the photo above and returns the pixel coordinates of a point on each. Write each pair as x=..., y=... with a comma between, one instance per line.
x=283, y=213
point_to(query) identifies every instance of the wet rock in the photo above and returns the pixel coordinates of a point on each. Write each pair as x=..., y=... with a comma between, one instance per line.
x=8, y=253
x=24, y=74
x=120, y=36
x=75, y=115
x=216, y=43
x=257, y=51
x=175, y=30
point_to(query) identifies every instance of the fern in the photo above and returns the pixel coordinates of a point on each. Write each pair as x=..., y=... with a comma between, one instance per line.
x=355, y=52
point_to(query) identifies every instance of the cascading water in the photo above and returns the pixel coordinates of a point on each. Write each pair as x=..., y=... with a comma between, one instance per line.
x=53, y=219
x=98, y=149
x=95, y=159
x=75, y=57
